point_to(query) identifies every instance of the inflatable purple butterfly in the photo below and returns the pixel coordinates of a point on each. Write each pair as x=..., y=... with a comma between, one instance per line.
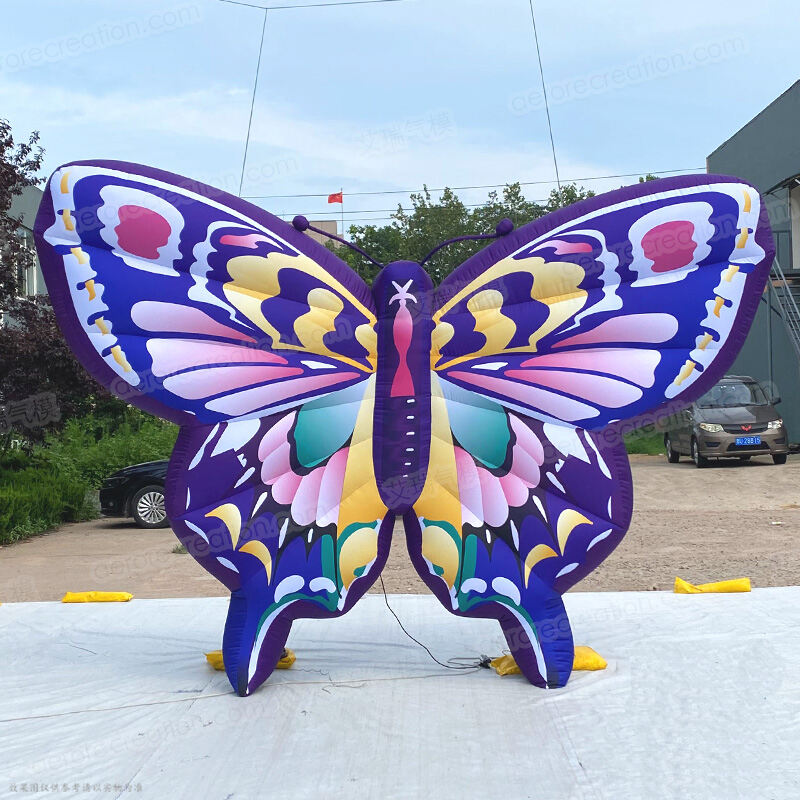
x=315, y=411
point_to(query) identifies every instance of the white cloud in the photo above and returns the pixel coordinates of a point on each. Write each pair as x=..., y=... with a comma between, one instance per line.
x=322, y=152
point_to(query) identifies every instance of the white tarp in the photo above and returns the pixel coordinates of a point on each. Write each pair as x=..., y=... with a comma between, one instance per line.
x=701, y=699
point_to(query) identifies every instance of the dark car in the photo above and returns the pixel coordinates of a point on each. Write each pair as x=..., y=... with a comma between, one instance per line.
x=734, y=419
x=137, y=492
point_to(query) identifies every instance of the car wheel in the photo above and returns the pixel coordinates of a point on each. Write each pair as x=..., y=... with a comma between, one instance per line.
x=779, y=459
x=699, y=461
x=673, y=456
x=148, y=508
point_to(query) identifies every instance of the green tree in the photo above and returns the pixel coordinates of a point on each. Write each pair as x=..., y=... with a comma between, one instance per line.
x=414, y=232
x=19, y=164
x=34, y=358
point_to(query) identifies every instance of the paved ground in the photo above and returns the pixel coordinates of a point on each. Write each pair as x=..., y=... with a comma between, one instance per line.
x=727, y=521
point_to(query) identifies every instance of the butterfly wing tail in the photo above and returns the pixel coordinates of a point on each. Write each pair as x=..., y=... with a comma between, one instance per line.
x=249, y=656
x=536, y=628
x=260, y=616
x=539, y=636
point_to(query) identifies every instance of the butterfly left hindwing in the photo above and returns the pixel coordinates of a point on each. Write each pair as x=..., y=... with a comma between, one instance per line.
x=285, y=511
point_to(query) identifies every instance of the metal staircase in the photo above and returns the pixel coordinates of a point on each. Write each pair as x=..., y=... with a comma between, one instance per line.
x=787, y=295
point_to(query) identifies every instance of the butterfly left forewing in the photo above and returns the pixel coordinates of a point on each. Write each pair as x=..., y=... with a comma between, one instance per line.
x=194, y=304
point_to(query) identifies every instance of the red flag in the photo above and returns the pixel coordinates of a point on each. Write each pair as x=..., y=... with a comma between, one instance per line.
x=336, y=198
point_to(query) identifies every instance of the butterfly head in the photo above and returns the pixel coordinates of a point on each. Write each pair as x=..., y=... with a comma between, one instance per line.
x=401, y=284
x=403, y=295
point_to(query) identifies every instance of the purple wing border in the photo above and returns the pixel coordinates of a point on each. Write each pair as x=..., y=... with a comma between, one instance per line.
x=56, y=280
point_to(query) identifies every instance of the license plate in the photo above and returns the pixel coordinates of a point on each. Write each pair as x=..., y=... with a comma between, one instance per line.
x=745, y=440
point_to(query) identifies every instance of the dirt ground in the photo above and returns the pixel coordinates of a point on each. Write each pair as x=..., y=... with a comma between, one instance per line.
x=727, y=521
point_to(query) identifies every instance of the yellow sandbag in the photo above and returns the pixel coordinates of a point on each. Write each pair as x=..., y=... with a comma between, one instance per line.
x=96, y=597
x=287, y=659
x=736, y=585
x=215, y=659
x=505, y=665
x=585, y=659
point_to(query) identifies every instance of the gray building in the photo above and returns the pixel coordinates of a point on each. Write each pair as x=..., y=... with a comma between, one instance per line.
x=766, y=152
x=24, y=208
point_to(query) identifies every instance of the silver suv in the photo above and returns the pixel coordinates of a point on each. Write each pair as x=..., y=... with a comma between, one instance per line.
x=734, y=419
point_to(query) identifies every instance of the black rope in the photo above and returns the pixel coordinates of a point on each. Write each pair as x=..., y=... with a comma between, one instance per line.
x=312, y=5
x=473, y=664
x=544, y=92
x=253, y=101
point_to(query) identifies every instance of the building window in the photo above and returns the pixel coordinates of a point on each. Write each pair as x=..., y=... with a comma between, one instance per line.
x=794, y=216
x=28, y=270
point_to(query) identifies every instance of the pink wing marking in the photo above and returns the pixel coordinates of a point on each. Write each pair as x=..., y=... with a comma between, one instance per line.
x=330, y=488
x=306, y=498
x=272, y=394
x=250, y=240
x=141, y=231
x=638, y=366
x=528, y=441
x=495, y=506
x=670, y=245
x=285, y=488
x=514, y=489
x=274, y=438
x=596, y=388
x=174, y=355
x=199, y=383
x=469, y=488
x=160, y=317
x=275, y=462
x=562, y=247
x=487, y=498
x=634, y=328
x=550, y=403
x=314, y=496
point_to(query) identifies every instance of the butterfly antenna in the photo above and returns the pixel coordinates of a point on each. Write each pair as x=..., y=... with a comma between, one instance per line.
x=504, y=227
x=300, y=223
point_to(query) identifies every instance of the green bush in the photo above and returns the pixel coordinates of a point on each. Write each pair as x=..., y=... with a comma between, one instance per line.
x=36, y=499
x=646, y=440
x=90, y=449
x=51, y=483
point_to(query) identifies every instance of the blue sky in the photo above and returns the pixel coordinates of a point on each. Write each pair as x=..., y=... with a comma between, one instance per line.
x=394, y=95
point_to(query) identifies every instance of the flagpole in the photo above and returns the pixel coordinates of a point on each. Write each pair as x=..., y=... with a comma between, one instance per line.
x=342, y=194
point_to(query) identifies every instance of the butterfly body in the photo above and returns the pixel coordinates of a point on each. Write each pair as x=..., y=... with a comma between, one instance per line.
x=402, y=292
x=316, y=412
